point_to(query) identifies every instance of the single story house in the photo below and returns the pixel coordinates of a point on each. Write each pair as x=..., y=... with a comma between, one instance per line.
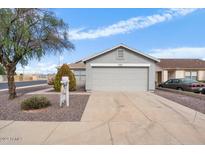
x=116, y=69
x=180, y=68
x=123, y=68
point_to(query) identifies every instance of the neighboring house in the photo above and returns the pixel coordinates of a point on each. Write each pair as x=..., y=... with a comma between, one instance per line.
x=180, y=68
x=118, y=69
x=78, y=69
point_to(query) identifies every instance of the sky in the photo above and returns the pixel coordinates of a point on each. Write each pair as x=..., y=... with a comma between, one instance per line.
x=162, y=33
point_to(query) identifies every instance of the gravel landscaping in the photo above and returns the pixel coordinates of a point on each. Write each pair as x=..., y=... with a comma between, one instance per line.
x=11, y=109
x=188, y=101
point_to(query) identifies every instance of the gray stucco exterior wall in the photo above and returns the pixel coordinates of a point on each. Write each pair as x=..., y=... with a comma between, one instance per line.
x=129, y=57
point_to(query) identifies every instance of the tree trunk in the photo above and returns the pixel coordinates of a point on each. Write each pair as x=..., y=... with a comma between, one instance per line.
x=11, y=83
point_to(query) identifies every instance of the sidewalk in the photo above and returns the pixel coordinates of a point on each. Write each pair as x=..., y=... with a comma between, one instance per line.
x=19, y=132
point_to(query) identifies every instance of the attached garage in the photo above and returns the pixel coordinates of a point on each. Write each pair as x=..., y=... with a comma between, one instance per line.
x=119, y=78
x=120, y=69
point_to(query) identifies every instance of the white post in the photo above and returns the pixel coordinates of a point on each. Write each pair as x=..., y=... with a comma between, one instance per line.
x=61, y=95
x=67, y=93
x=64, y=98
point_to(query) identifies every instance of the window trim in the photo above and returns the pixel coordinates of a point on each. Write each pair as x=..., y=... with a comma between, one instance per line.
x=120, y=65
x=191, y=76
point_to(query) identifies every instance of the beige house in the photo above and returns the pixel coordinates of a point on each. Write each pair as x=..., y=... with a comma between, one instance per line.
x=180, y=68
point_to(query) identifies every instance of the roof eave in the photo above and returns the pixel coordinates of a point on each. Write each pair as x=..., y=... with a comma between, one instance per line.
x=121, y=45
x=197, y=68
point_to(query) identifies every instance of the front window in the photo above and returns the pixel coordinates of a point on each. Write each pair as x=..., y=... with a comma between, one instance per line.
x=191, y=75
x=79, y=73
x=169, y=81
x=176, y=81
x=189, y=81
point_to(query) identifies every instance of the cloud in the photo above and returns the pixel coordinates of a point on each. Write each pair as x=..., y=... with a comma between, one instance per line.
x=181, y=52
x=129, y=25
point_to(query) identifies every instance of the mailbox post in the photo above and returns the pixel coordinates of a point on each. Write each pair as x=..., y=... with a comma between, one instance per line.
x=64, y=97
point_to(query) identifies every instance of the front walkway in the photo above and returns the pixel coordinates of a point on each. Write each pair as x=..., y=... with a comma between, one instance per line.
x=115, y=118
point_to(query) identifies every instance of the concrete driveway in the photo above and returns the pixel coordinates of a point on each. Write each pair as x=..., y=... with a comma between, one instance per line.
x=145, y=118
x=115, y=118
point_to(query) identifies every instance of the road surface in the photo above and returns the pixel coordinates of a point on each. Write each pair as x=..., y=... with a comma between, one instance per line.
x=22, y=84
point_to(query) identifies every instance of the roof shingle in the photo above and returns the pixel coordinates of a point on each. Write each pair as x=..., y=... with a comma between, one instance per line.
x=77, y=65
x=181, y=63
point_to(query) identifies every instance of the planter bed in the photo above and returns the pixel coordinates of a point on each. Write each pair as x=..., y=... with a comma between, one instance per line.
x=187, y=93
x=11, y=109
x=188, y=99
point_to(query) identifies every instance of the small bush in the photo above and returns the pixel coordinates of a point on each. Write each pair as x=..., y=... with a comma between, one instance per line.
x=65, y=71
x=35, y=102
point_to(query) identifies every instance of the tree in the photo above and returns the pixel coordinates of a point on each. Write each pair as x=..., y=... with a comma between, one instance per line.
x=64, y=70
x=2, y=70
x=26, y=34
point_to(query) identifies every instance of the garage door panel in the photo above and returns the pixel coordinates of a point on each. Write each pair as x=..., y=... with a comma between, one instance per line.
x=120, y=79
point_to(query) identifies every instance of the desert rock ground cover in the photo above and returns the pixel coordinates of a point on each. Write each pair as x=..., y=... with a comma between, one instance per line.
x=188, y=101
x=11, y=109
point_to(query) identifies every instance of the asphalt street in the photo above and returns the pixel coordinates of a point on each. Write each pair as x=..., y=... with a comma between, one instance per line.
x=22, y=84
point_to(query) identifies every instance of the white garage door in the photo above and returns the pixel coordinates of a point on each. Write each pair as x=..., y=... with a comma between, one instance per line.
x=119, y=79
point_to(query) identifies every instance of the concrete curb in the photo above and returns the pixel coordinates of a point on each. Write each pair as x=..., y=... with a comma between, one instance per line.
x=46, y=92
x=196, y=95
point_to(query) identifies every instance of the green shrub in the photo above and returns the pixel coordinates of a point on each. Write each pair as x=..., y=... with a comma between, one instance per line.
x=64, y=71
x=35, y=102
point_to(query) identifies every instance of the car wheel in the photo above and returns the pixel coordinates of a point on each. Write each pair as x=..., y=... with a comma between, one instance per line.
x=181, y=89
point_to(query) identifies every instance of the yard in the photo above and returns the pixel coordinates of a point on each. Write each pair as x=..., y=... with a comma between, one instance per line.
x=188, y=101
x=11, y=109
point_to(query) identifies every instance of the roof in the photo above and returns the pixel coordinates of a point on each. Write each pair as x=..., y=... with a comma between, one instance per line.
x=118, y=46
x=77, y=65
x=181, y=63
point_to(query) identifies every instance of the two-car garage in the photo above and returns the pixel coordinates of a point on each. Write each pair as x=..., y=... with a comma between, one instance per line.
x=119, y=78
x=120, y=69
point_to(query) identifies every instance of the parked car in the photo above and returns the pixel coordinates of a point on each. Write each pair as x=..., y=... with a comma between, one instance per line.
x=184, y=84
x=50, y=80
x=203, y=91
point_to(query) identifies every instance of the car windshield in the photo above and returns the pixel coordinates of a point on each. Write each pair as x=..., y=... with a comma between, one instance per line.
x=189, y=81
